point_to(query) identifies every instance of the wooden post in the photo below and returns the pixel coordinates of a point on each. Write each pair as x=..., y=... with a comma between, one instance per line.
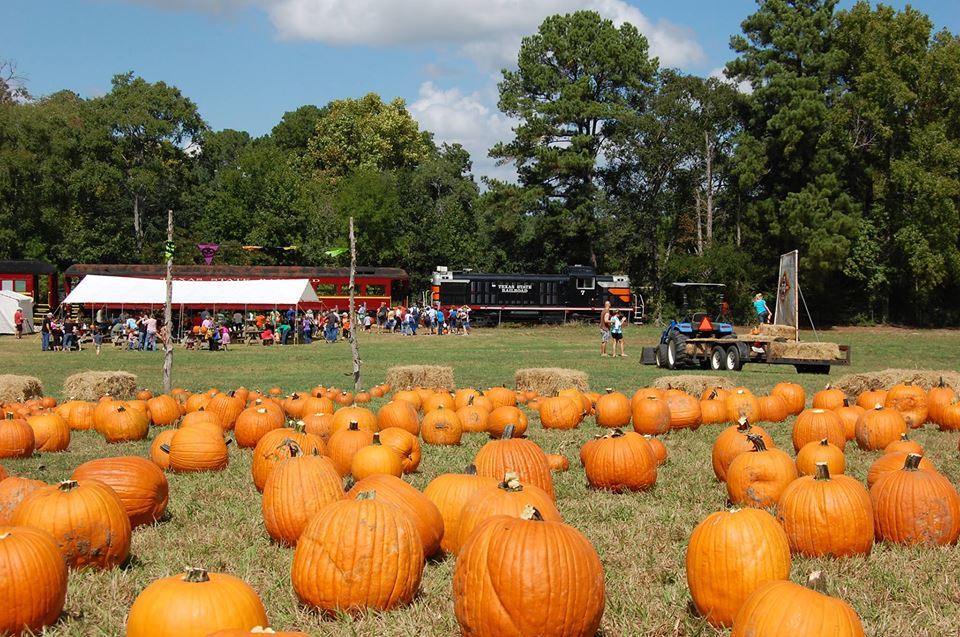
x=168, y=310
x=354, y=345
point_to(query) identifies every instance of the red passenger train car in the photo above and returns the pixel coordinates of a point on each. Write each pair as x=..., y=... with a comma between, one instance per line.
x=25, y=277
x=373, y=285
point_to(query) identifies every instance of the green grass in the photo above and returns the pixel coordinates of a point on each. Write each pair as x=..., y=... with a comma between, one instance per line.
x=215, y=518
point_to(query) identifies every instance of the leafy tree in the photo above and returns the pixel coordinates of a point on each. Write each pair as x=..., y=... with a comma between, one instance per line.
x=295, y=129
x=578, y=80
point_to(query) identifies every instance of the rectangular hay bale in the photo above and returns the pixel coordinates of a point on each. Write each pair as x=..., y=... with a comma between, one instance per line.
x=548, y=381
x=855, y=384
x=693, y=384
x=803, y=351
x=428, y=376
x=16, y=389
x=778, y=331
x=92, y=385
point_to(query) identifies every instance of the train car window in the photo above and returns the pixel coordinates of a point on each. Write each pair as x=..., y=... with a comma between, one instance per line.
x=20, y=286
x=375, y=290
x=326, y=289
x=585, y=283
x=7, y=285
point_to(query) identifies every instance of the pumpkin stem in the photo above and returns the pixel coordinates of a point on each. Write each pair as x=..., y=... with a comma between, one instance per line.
x=816, y=581
x=165, y=448
x=4, y=536
x=903, y=437
x=366, y=495
x=609, y=390
x=67, y=485
x=530, y=512
x=376, y=439
x=823, y=471
x=121, y=408
x=196, y=575
x=9, y=415
x=511, y=482
x=617, y=433
x=913, y=462
x=713, y=394
x=846, y=402
x=508, y=431
x=877, y=406
x=824, y=442
x=295, y=450
x=354, y=425
x=471, y=469
x=743, y=425
x=470, y=399
x=758, y=444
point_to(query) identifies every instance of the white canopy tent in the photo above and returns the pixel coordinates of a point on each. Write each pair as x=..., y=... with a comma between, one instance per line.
x=9, y=302
x=118, y=291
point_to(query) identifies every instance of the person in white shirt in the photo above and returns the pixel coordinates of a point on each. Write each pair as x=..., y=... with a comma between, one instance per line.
x=151, y=334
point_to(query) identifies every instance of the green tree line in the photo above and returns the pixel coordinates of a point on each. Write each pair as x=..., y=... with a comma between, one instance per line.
x=844, y=146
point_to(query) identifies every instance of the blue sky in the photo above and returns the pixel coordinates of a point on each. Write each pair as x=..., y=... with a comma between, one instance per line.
x=245, y=62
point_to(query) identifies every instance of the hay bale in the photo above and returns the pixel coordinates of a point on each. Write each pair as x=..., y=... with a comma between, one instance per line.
x=693, y=384
x=803, y=351
x=548, y=381
x=16, y=389
x=410, y=376
x=95, y=385
x=855, y=384
x=778, y=331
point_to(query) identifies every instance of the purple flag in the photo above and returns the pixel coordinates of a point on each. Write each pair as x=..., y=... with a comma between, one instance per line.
x=208, y=250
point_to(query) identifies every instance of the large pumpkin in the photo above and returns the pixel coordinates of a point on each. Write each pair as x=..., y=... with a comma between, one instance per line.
x=878, y=427
x=449, y=492
x=50, y=431
x=405, y=444
x=227, y=408
x=742, y=404
x=253, y=423
x=193, y=450
x=493, y=594
x=160, y=448
x=518, y=455
x=504, y=416
x=344, y=445
x=684, y=410
x=910, y=401
x=622, y=462
x=13, y=491
x=814, y=453
x=501, y=397
x=939, y=397
x=781, y=608
x=140, y=485
x=612, y=409
x=473, y=417
x=358, y=554
x=298, y=487
x=399, y=413
x=829, y=398
x=772, y=409
x=793, y=395
x=757, y=478
x=913, y=506
x=195, y=604
x=33, y=580
x=733, y=441
x=510, y=497
x=560, y=412
x=813, y=425
x=374, y=459
x=274, y=447
x=651, y=415
x=730, y=554
x=893, y=462
x=123, y=424
x=441, y=426
x=17, y=439
x=869, y=398
x=164, y=410
x=87, y=520
x=343, y=417
x=850, y=416
x=394, y=491
x=825, y=514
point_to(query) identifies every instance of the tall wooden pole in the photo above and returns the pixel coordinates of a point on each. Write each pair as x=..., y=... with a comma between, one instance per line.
x=354, y=328
x=168, y=310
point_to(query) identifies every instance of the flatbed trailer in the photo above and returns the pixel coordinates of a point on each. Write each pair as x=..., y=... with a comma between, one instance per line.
x=730, y=353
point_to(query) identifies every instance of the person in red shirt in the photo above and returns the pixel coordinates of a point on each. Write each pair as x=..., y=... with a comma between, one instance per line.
x=18, y=322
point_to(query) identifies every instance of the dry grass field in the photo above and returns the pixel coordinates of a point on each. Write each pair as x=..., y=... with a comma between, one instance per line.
x=215, y=521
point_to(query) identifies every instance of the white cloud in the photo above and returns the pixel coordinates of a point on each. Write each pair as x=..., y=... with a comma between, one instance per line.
x=467, y=119
x=486, y=31
x=720, y=73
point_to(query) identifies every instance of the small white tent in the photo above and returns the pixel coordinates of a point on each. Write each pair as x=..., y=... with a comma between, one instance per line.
x=9, y=302
x=119, y=290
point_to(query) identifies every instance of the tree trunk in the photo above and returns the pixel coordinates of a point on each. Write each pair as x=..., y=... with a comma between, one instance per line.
x=708, y=155
x=354, y=345
x=698, y=205
x=168, y=313
x=137, y=222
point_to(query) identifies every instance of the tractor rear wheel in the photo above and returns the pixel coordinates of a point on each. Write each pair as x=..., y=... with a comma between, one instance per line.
x=677, y=357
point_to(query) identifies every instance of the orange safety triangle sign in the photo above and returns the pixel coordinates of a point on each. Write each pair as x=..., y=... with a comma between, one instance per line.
x=705, y=325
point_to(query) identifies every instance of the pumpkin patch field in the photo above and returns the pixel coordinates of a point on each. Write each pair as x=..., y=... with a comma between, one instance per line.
x=264, y=492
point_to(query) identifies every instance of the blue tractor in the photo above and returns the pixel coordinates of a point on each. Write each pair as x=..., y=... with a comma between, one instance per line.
x=682, y=342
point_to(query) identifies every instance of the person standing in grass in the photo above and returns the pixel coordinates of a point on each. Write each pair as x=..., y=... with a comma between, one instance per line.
x=18, y=323
x=616, y=331
x=604, y=328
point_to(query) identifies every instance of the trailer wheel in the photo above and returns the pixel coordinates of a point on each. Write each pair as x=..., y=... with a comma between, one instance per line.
x=717, y=359
x=677, y=357
x=732, y=361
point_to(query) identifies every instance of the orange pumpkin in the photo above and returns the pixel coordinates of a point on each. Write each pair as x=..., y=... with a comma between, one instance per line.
x=912, y=506
x=878, y=427
x=441, y=427
x=394, y=491
x=910, y=401
x=509, y=497
x=345, y=444
x=50, y=431
x=399, y=413
x=814, y=453
x=449, y=492
x=612, y=409
x=757, y=478
x=793, y=396
x=741, y=403
x=501, y=417
x=829, y=398
x=140, y=485
x=651, y=415
x=523, y=457
x=560, y=412
x=815, y=424
x=405, y=444
x=772, y=409
x=33, y=580
x=296, y=489
x=374, y=459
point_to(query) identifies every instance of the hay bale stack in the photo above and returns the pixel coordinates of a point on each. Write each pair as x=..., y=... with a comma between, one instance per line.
x=16, y=389
x=410, y=376
x=95, y=385
x=548, y=381
x=693, y=384
x=803, y=351
x=855, y=384
x=778, y=331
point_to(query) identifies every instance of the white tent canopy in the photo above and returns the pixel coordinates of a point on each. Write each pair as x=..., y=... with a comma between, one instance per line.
x=9, y=302
x=119, y=290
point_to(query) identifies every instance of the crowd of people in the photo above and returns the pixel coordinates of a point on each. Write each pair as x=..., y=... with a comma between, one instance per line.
x=134, y=332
